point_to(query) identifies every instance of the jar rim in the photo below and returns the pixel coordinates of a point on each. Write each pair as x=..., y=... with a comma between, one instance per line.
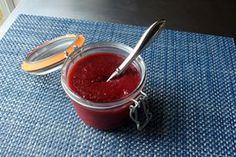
x=100, y=105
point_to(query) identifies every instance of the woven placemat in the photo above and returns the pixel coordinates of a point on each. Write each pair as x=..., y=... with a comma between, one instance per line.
x=191, y=86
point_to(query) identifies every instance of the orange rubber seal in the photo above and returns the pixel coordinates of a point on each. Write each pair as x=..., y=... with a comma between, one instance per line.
x=33, y=66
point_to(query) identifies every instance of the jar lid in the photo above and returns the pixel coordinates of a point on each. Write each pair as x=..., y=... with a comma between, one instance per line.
x=51, y=55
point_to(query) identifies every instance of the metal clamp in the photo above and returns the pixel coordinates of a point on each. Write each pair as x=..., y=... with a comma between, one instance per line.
x=134, y=113
x=78, y=43
x=66, y=54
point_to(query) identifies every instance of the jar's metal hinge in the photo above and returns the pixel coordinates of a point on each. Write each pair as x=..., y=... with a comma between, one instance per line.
x=66, y=54
x=140, y=104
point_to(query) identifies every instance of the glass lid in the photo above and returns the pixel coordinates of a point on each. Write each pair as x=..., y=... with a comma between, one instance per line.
x=50, y=56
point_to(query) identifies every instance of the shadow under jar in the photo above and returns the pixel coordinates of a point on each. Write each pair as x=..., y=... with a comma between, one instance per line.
x=110, y=111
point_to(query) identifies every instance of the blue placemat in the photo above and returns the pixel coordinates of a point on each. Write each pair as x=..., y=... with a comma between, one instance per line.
x=191, y=87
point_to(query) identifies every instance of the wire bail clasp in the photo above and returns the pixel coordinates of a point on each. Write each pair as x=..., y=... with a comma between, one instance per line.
x=140, y=104
x=78, y=43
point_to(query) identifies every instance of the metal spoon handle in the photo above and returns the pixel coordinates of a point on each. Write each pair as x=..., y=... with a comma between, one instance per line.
x=143, y=42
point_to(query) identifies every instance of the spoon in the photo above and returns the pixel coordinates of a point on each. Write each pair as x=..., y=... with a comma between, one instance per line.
x=143, y=42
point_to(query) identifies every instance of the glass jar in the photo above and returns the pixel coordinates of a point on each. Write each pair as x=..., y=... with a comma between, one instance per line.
x=65, y=51
x=112, y=114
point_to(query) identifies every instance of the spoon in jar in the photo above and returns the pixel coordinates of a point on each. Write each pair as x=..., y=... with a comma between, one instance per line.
x=143, y=42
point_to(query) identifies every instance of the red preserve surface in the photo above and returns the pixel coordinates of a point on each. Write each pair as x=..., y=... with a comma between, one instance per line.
x=88, y=76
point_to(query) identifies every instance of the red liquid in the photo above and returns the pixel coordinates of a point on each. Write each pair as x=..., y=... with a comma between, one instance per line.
x=87, y=78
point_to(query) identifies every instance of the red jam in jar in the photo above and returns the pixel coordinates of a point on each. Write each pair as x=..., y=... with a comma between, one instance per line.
x=88, y=76
x=101, y=104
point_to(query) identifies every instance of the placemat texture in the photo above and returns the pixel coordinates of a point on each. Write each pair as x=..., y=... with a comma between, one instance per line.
x=191, y=87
